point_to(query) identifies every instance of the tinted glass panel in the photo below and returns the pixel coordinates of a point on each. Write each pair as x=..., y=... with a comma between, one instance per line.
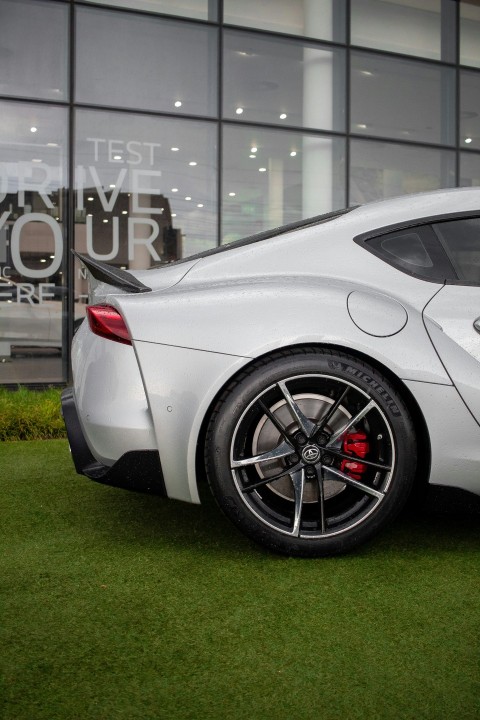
x=461, y=238
x=33, y=176
x=402, y=99
x=142, y=62
x=322, y=19
x=146, y=189
x=470, y=109
x=273, y=80
x=470, y=34
x=274, y=177
x=383, y=170
x=469, y=169
x=415, y=251
x=403, y=26
x=33, y=49
x=198, y=9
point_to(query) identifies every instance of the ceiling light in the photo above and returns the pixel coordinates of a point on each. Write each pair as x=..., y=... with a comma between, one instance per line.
x=366, y=73
x=124, y=212
x=239, y=111
x=105, y=221
x=192, y=163
x=199, y=204
x=188, y=197
x=33, y=129
x=174, y=189
x=90, y=198
x=174, y=149
x=53, y=145
x=253, y=149
x=178, y=103
x=468, y=140
x=253, y=156
x=283, y=116
x=232, y=194
x=36, y=160
x=117, y=157
x=293, y=153
x=361, y=126
x=174, y=214
x=112, y=186
x=262, y=169
x=43, y=260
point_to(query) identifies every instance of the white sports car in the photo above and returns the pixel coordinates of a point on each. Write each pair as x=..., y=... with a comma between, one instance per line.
x=314, y=373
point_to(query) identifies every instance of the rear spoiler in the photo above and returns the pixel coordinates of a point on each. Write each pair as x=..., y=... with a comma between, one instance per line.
x=112, y=275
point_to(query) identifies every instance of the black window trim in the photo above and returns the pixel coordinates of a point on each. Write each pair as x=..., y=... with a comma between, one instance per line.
x=429, y=220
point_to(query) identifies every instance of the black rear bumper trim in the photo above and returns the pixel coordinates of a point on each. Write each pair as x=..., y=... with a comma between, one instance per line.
x=138, y=470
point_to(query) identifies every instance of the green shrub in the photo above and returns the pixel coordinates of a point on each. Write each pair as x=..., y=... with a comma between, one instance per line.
x=30, y=415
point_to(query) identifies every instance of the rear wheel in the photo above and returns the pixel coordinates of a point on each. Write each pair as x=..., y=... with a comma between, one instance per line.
x=311, y=452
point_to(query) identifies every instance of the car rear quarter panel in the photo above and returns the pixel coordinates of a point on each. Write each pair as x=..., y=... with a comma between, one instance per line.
x=252, y=318
x=202, y=336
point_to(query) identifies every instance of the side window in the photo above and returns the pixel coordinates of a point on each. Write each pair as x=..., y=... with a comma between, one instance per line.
x=461, y=240
x=416, y=251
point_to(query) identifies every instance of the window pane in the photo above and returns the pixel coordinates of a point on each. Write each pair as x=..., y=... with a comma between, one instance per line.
x=33, y=49
x=142, y=62
x=402, y=99
x=322, y=19
x=273, y=177
x=469, y=169
x=198, y=9
x=33, y=176
x=383, y=170
x=146, y=189
x=415, y=251
x=469, y=34
x=280, y=81
x=462, y=240
x=470, y=110
x=412, y=27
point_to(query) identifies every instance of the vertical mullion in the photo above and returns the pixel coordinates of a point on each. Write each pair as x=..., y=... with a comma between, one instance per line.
x=69, y=264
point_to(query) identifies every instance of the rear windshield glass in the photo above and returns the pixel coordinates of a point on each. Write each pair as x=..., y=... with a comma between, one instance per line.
x=266, y=234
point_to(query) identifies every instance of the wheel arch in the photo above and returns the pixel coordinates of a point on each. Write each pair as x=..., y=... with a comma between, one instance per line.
x=421, y=430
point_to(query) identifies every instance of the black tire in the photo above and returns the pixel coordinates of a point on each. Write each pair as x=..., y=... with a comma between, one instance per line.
x=344, y=446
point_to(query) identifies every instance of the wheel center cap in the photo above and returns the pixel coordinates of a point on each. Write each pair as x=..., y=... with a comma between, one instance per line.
x=311, y=454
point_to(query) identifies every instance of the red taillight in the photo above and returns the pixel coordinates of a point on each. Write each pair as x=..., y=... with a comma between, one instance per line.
x=107, y=322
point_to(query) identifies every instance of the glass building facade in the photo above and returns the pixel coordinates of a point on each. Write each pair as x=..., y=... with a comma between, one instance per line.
x=140, y=131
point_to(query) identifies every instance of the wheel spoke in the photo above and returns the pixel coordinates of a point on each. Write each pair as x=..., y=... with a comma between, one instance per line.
x=304, y=424
x=354, y=458
x=331, y=412
x=337, y=435
x=321, y=496
x=298, y=481
x=273, y=420
x=280, y=451
x=354, y=483
x=272, y=478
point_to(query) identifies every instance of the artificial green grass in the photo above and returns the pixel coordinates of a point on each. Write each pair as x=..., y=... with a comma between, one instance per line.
x=30, y=415
x=123, y=606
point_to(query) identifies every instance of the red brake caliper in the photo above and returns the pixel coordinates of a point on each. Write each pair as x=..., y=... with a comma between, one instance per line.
x=356, y=444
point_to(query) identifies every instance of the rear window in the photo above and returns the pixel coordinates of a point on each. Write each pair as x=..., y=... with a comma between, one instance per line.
x=416, y=251
x=461, y=241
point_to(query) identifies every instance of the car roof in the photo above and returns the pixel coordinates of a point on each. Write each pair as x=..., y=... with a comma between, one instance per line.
x=364, y=218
